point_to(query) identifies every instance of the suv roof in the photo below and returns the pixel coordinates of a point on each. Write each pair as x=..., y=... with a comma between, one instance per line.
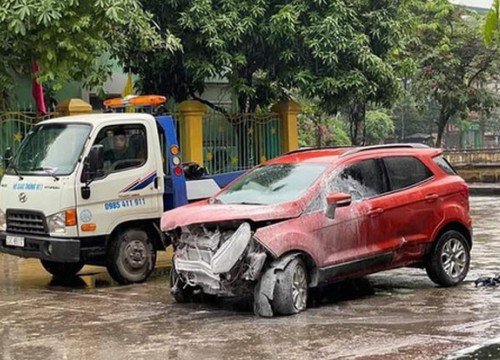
x=328, y=154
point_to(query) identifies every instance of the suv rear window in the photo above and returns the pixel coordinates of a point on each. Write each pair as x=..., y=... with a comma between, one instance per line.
x=445, y=165
x=405, y=171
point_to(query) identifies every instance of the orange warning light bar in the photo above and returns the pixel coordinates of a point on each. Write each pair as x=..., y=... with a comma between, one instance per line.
x=136, y=100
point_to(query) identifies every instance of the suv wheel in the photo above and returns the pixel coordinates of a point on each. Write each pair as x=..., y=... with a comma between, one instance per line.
x=290, y=291
x=179, y=290
x=448, y=263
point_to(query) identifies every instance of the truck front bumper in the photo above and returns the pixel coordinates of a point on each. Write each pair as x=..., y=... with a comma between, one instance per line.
x=40, y=247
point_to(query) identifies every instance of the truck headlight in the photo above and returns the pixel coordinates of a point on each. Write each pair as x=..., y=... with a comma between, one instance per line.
x=3, y=221
x=57, y=223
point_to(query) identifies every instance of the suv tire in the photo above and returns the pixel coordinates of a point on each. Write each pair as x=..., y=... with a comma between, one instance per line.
x=180, y=292
x=448, y=263
x=290, y=291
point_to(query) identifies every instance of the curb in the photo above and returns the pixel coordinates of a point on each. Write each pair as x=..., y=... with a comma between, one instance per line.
x=484, y=191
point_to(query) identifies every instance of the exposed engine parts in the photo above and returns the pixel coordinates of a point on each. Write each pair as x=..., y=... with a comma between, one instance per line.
x=220, y=261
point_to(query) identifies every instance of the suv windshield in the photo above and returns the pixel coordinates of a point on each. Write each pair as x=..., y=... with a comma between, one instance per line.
x=272, y=184
x=50, y=149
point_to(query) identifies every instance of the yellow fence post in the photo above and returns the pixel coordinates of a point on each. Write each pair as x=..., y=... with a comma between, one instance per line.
x=191, y=126
x=73, y=107
x=288, y=112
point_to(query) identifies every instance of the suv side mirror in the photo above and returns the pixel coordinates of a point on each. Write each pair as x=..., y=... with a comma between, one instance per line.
x=94, y=165
x=334, y=201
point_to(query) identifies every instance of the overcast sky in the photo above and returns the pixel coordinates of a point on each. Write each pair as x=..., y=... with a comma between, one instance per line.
x=476, y=3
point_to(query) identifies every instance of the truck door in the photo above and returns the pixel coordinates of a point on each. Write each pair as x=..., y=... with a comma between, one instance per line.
x=130, y=186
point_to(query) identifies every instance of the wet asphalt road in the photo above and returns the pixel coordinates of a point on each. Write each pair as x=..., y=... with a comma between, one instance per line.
x=392, y=315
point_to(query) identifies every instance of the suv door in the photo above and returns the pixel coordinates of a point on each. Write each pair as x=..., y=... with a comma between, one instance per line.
x=354, y=232
x=412, y=209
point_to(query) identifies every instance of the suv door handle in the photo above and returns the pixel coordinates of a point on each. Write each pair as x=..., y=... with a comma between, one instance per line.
x=431, y=197
x=375, y=212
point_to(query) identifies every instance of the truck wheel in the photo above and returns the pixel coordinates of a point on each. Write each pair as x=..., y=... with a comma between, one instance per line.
x=180, y=292
x=448, y=263
x=131, y=257
x=62, y=270
x=290, y=291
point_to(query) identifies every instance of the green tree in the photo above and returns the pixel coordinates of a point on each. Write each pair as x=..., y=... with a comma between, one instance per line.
x=491, y=24
x=330, y=50
x=379, y=126
x=454, y=65
x=67, y=38
x=317, y=129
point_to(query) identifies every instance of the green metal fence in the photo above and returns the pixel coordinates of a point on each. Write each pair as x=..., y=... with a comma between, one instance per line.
x=239, y=141
x=230, y=142
x=14, y=126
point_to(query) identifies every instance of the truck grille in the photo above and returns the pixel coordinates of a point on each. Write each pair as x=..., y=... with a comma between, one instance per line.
x=26, y=222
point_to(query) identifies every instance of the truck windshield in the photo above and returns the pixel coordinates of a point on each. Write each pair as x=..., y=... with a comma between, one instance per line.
x=272, y=184
x=50, y=150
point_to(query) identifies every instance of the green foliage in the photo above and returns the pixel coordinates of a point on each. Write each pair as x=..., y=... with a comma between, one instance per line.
x=491, y=23
x=379, y=126
x=317, y=129
x=453, y=62
x=333, y=51
x=67, y=38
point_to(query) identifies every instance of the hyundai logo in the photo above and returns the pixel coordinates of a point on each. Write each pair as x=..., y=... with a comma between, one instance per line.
x=23, y=197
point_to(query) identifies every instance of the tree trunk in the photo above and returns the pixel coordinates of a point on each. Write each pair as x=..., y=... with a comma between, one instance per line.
x=357, y=114
x=444, y=117
x=317, y=122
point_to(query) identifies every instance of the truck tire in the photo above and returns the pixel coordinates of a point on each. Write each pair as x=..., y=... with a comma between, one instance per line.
x=62, y=270
x=131, y=257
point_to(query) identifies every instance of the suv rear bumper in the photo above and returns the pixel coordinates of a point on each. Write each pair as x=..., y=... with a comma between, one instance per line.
x=40, y=247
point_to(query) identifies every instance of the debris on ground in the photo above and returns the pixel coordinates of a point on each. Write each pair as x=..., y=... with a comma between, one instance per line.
x=488, y=281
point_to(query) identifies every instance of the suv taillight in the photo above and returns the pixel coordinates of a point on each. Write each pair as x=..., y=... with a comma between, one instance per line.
x=464, y=191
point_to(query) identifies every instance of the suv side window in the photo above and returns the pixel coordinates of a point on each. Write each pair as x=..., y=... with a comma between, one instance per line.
x=361, y=180
x=125, y=147
x=405, y=171
x=444, y=165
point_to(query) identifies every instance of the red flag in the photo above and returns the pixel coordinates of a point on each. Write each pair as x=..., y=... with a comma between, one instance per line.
x=37, y=89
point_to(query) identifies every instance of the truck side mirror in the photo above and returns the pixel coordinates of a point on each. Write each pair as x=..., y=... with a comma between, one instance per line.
x=7, y=157
x=334, y=201
x=93, y=168
x=96, y=159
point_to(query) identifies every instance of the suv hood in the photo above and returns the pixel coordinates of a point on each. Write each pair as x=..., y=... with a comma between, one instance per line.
x=203, y=212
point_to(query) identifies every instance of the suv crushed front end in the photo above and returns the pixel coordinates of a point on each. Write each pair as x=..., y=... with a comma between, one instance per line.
x=220, y=259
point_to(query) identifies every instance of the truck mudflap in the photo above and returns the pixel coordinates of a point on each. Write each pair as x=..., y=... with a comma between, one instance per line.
x=46, y=248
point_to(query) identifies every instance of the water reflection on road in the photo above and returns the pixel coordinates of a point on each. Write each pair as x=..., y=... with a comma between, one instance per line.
x=392, y=315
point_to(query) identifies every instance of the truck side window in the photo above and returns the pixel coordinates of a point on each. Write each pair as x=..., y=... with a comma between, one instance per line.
x=125, y=147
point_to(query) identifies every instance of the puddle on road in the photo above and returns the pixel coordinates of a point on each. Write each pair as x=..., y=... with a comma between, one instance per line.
x=28, y=273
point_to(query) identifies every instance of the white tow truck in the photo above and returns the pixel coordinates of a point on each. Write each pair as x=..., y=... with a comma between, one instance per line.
x=69, y=198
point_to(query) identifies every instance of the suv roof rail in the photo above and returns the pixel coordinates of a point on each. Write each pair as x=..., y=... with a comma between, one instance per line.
x=386, y=146
x=309, y=148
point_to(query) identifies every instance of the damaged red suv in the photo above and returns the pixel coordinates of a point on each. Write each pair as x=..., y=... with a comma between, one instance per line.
x=312, y=217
